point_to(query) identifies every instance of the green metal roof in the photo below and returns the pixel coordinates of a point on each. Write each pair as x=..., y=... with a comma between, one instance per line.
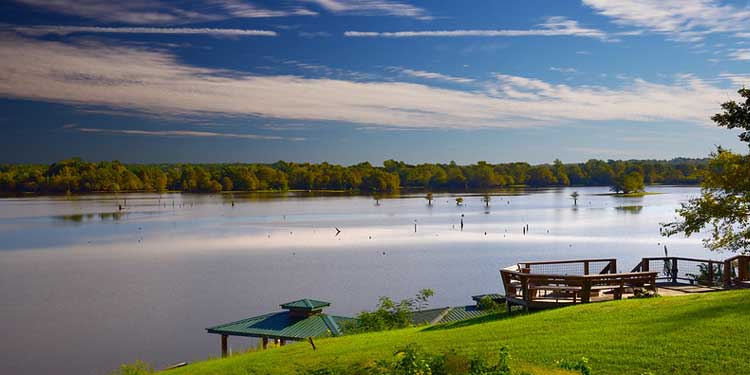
x=284, y=325
x=305, y=304
x=462, y=313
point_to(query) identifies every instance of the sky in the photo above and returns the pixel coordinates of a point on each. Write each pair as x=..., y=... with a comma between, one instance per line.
x=345, y=81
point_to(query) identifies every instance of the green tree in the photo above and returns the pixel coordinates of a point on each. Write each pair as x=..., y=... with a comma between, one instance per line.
x=560, y=173
x=541, y=175
x=724, y=204
x=628, y=183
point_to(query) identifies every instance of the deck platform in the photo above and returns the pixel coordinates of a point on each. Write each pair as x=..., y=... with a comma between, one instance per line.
x=550, y=284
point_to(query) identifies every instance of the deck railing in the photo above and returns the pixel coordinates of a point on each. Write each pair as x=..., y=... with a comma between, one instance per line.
x=676, y=269
x=737, y=271
x=571, y=267
x=569, y=281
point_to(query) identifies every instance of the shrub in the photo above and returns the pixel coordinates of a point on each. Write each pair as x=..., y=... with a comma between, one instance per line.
x=581, y=365
x=136, y=368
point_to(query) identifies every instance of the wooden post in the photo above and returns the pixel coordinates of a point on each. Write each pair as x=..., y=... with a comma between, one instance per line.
x=644, y=265
x=312, y=343
x=742, y=268
x=265, y=343
x=613, y=266
x=585, y=267
x=710, y=273
x=224, y=345
x=586, y=291
x=727, y=274
x=674, y=270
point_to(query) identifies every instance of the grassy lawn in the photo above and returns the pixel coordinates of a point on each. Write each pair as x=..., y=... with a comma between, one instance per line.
x=696, y=334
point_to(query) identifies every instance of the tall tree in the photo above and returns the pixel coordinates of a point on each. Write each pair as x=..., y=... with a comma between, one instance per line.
x=724, y=204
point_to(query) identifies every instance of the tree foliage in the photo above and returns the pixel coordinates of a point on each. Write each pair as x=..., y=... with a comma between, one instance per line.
x=724, y=205
x=390, y=314
x=76, y=175
x=628, y=183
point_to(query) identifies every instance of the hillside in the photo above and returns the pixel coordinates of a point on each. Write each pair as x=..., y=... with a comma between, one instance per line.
x=696, y=334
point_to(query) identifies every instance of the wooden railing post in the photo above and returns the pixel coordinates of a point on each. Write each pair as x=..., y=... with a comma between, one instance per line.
x=710, y=273
x=644, y=265
x=613, y=266
x=727, y=273
x=674, y=270
x=585, y=267
x=742, y=268
x=586, y=291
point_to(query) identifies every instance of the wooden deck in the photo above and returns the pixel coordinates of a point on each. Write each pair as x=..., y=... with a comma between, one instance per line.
x=549, y=284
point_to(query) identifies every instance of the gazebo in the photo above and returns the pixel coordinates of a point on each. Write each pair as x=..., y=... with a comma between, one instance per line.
x=302, y=319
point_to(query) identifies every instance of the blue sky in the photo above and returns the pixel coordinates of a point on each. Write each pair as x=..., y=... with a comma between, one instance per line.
x=352, y=80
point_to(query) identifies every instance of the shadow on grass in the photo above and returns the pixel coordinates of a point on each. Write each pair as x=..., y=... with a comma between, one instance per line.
x=478, y=320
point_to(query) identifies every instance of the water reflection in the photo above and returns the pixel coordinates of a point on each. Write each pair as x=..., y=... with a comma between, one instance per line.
x=629, y=209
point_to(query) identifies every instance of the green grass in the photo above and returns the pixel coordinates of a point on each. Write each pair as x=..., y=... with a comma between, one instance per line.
x=696, y=334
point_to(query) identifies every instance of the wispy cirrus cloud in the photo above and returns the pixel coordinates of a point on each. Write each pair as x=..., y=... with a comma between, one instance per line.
x=129, y=78
x=553, y=26
x=429, y=75
x=740, y=54
x=177, y=133
x=373, y=8
x=562, y=69
x=65, y=30
x=244, y=9
x=139, y=12
x=159, y=12
x=684, y=20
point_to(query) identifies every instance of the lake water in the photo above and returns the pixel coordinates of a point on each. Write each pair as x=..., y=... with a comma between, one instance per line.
x=86, y=286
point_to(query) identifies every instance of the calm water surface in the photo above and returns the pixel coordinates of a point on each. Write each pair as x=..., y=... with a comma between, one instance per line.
x=86, y=287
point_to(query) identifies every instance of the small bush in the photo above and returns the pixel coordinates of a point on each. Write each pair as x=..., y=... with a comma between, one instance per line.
x=581, y=365
x=486, y=303
x=411, y=360
x=136, y=368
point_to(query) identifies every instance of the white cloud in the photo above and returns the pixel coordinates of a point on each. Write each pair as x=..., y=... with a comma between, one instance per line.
x=139, y=12
x=430, y=75
x=65, y=30
x=553, y=26
x=563, y=70
x=177, y=133
x=740, y=54
x=149, y=12
x=737, y=80
x=373, y=7
x=243, y=9
x=685, y=20
x=129, y=78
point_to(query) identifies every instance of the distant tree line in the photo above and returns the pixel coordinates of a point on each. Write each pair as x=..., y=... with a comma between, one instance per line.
x=76, y=175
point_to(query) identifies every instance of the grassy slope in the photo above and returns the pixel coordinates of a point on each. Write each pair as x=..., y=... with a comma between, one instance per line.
x=696, y=334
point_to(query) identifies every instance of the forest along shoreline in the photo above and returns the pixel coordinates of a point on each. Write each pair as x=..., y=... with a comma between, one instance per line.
x=78, y=176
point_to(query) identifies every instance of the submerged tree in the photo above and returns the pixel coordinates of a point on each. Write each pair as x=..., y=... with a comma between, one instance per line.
x=724, y=204
x=459, y=201
x=486, y=198
x=575, y=196
x=429, y=199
